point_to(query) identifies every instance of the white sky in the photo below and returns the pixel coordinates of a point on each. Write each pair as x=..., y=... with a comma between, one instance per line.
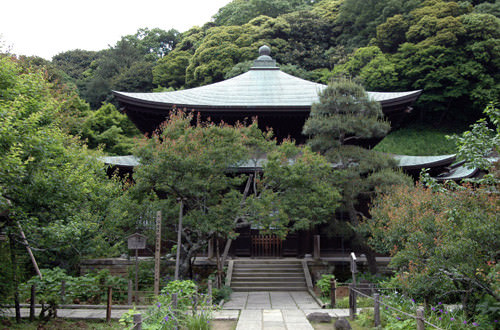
x=48, y=27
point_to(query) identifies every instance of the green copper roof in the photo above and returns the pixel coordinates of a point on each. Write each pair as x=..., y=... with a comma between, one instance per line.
x=417, y=162
x=264, y=86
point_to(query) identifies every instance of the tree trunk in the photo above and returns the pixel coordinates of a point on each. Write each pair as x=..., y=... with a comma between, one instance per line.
x=218, y=282
x=14, y=276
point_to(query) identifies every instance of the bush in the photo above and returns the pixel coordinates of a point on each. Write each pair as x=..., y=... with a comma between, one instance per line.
x=324, y=284
x=163, y=315
x=89, y=288
x=223, y=293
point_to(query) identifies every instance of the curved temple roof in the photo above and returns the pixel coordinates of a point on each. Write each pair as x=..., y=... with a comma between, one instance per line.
x=263, y=86
x=255, y=88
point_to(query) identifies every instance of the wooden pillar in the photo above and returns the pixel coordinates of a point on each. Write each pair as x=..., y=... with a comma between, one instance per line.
x=210, y=252
x=137, y=322
x=333, y=288
x=157, y=254
x=352, y=302
x=63, y=291
x=316, y=247
x=130, y=293
x=209, y=292
x=32, y=303
x=376, y=309
x=109, y=303
x=420, y=319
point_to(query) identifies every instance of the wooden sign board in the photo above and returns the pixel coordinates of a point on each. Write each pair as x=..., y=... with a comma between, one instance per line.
x=136, y=242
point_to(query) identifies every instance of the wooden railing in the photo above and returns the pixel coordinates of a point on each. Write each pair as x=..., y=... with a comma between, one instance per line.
x=266, y=246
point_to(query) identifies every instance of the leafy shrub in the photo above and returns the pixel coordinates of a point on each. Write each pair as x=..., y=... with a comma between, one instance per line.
x=164, y=315
x=324, y=284
x=223, y=293
x=89, y=288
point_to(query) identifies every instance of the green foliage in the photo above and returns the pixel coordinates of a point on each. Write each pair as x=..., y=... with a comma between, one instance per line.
x=74, y=62
x=343, y=113
x=224, y=293
x=360, y=19
x=439, y=47
x=442, y=243
x=481, y=141
x=110, y=129
x=439, y=314
x=324, y=284
x=58, y=190
x=163, y=315
x=90, y=288
x=346, y=115
x=170, y=71
x=239, y=12
x=126, y=66
x=295, y=192
x=417, y=141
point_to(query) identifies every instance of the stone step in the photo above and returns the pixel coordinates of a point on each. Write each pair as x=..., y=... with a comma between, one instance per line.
x=268, y=275
x=269, y=280
x=268, y=288
x=274, y=263
x=269, y=268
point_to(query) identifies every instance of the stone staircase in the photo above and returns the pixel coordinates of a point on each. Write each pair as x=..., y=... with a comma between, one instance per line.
x=268, y=275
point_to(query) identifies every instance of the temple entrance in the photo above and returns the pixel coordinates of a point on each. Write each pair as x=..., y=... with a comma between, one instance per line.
x=270, y=246
x=254, y=244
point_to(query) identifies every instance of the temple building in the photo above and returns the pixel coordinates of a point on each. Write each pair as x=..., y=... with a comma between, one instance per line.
x=282, y=102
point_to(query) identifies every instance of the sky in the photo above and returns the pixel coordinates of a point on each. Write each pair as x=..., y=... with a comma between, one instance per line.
x=47, y=27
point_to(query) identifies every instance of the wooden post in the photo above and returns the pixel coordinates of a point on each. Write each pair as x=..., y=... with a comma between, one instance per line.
x=129, y=292
x=174, y=301
x=136, y=275
x=63, y=291
x=15, y=280
x=174, y=308
x=210, y=252
x=32, y=303
x=316, y=251
x=376, y=309
x=137, y=322
x=352, y=302
x=157, y=253
x=333, y=288
x=179, y=241
x=420, y=319
x=195, y=305
x=209, y=292
x=108, y=307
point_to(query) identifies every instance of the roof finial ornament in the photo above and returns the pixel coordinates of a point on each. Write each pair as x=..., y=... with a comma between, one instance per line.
x=264, y=50
x=264, y=61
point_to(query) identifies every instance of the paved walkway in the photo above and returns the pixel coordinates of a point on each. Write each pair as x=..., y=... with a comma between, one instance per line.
x=275, y=310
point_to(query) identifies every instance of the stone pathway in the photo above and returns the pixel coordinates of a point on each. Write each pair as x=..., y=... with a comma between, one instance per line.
x=272, y=310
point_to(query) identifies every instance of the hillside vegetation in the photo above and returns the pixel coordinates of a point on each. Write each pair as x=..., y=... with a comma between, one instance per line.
x=450, y=50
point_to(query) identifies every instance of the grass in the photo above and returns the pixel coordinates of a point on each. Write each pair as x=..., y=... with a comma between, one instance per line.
x=418, y=141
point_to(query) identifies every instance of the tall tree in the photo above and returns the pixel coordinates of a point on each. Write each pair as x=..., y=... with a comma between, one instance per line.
x=343, y=117
x=49, y=184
